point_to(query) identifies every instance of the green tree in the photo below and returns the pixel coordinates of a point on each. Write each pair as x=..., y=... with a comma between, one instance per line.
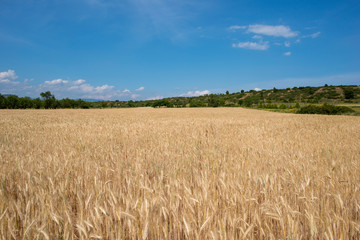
x=12, y=102
x=131, y=103
x=213, y=102
x=103, y=104
x=37, y=103
x=162, y=103
x=49, y=99
x=248, y=102
x=349, y=94
x=25, y=102
x=2, y=102
x=83, y=104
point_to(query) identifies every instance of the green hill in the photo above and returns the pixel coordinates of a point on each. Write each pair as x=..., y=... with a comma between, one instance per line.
x=349, y=94
x=274, y=99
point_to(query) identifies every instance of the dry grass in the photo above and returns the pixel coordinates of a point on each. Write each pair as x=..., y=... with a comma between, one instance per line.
x=178, y=173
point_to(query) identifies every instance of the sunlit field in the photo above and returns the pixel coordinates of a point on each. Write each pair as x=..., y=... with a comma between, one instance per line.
x=208, y=173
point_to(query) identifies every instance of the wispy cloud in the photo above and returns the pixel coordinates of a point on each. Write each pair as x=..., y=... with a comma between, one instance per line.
x=236, y=27
x=267, y=30
x=252, y=45
x=195, y=93
x=13, y=39
x=140, y=89
x=155, y=98
x=56, y=82
x=268, y=35
x=165, y=18
x=313, y=35
x=270, y=30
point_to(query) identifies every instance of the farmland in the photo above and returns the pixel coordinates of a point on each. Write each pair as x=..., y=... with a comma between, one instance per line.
x=172, y=173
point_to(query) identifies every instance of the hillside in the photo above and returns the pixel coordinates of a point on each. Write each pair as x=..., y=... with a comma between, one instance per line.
x=252, y=98
x=271, y=99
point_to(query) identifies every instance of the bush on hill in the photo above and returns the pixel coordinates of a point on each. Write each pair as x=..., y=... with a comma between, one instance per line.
x=324, y=109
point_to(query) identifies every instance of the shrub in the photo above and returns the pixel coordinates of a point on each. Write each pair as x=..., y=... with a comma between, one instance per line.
x=349, y=94
x=324, y=109
x=282, y=106
x=162, y=103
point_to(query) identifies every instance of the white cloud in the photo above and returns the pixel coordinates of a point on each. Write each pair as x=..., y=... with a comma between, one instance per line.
x=155, y=98
x=81, y=89
x=56, y=81
x=257, y=89
x=194, y=93
x=8, y=77
x=86, y=88
x=269, y=30
x=140, y=89
x=269, y=34
x=287, y=53
x=4, y=81
x=61, y=88
x=103, y=88
x=251, y=45
x=79, y=81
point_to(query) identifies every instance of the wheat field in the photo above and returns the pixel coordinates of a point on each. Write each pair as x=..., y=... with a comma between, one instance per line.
x=220, y=173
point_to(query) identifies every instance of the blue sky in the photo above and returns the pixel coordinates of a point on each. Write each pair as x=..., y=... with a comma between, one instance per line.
x=147, y=49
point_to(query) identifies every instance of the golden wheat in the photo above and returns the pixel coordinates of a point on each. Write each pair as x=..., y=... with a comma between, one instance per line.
x=225, y=173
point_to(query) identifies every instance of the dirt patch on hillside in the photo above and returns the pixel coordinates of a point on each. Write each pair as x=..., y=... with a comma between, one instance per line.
x=320, y=90
x=246, y=95
x=340, y=91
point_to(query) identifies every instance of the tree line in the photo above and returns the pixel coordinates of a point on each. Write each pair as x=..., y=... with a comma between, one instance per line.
x=45, y=101
x=282, y=99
